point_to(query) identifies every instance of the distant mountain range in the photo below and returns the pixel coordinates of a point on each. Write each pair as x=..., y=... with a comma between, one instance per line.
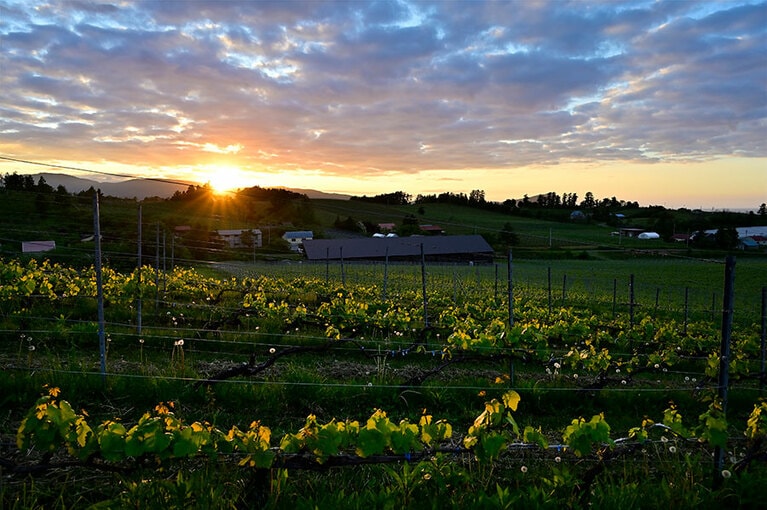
x=143, y=188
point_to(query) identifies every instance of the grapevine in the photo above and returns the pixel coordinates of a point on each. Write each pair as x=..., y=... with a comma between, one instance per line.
x=159, y=435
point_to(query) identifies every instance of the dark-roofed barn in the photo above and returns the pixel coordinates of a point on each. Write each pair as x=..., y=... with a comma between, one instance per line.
x=448, y=248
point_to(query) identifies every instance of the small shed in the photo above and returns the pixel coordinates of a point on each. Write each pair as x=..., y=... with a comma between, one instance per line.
x=296, y=238
x=630, y=231
x=577, y=216
x=431, y=229
x=747, y=243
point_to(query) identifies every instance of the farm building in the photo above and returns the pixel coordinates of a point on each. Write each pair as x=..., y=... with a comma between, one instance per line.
x=747, y=243
x=296, y=238
x=434, y=230
x=448, y=248
x=234, y=237
x=630, y=231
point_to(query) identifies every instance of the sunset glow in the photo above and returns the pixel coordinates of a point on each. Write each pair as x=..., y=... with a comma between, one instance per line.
x=225, y=179
x=663, y=103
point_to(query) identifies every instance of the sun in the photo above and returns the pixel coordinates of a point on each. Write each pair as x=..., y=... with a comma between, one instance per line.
x=225, y=179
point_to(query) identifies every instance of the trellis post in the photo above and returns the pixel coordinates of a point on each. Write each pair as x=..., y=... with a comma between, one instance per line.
x=724, y=358
x=99, y=287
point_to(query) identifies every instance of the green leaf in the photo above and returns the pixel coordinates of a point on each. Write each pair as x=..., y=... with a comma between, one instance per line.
x=328, y=440
x=370, y=442
x=490, y=446
x=404, y=439
x=532, y=435
x=112, y=441
x=185, y=443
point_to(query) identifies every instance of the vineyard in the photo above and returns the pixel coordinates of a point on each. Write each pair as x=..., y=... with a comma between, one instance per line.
x=407, y=386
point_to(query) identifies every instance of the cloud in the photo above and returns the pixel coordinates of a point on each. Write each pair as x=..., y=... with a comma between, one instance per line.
x=384, y=86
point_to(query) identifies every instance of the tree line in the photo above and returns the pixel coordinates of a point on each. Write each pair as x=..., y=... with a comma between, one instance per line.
x=599, y=209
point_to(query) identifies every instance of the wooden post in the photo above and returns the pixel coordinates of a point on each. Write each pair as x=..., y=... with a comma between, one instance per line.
x=99, y=287
x=386, y=273
x=138, y=276
x=511, y=292
x=724, y=357
x=631, y=300
x=157, y=268
x=764, y=338
x=548, y=272
x=423, y=289
x=564, y=289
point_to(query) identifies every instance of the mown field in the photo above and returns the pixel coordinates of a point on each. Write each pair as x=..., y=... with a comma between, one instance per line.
x=318, y=386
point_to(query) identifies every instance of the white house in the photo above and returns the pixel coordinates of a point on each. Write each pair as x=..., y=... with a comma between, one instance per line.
x=296, y=238
x=233, y=237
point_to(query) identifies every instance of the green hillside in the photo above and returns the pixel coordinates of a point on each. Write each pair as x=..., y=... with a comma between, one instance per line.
x=39, y=212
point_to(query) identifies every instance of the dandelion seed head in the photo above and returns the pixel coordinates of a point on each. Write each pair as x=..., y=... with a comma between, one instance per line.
x=272, y=350
x=523, y=469
x=726, y=473
x=672, y=449
x=557, y=459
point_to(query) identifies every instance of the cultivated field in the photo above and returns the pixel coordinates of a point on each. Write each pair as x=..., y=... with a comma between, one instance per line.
x=389, y=386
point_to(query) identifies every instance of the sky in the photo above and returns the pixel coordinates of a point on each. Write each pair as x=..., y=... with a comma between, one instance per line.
x=663, y=103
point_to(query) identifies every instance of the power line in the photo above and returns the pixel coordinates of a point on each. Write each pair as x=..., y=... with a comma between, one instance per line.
x=111, y=174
